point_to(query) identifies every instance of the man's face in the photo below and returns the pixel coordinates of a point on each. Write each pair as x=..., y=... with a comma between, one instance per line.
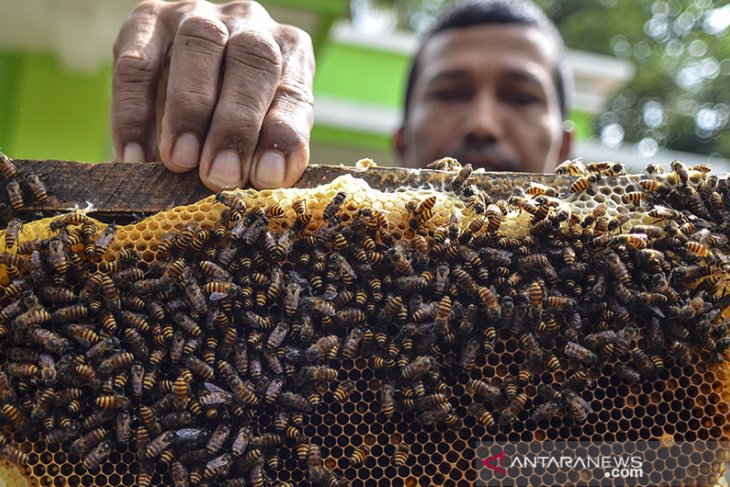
x=486, y=95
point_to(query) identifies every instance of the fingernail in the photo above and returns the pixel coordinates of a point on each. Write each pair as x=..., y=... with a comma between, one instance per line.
x=225, y=171
x=133, y=152
x=270, y=169
x=186, y=152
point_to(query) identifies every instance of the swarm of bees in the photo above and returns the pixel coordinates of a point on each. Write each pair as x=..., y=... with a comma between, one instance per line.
x=211, y=361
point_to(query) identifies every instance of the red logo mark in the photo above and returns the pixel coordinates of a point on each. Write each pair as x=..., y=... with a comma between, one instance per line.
x=494, y=461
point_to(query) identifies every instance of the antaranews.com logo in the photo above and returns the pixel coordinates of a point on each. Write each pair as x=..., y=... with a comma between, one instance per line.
x=606, y=463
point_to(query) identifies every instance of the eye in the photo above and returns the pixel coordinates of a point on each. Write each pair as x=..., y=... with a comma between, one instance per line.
x=521, y=98
x=451, y=94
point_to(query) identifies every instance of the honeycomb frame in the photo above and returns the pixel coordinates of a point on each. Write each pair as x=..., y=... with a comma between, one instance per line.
x=426, y=436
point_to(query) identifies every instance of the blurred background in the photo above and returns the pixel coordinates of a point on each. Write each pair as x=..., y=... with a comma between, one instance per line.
x=652, y=76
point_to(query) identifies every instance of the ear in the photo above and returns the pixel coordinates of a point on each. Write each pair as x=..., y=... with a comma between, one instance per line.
x=399, y=143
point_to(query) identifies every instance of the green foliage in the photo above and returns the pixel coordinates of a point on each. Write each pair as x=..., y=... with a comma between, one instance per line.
x=681, y=50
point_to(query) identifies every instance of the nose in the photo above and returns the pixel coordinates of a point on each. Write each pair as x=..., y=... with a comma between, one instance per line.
x=484, y=121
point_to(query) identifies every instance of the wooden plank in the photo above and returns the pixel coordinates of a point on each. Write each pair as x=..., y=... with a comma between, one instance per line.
x=124, y=188
x=112, y=187
x=121, y=189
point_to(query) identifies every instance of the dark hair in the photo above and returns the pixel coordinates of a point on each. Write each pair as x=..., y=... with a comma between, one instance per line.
x=468, y=13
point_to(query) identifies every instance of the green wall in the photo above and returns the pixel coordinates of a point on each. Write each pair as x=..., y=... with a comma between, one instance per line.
x=51, y=113
x=361, y=75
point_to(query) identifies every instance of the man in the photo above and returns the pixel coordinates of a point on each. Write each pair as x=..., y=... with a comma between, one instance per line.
x=488, y=87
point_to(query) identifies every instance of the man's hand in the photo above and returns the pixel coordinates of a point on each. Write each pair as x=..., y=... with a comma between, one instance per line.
x=237, y=103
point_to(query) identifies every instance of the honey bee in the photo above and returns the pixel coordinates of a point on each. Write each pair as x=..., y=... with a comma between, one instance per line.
x=83, y=335
x=49, y=340
x=123, y=426
x=333, y=207
x=15, y=195
x=36, y=186
x=137, y=343
x=584, y=183
x=552, y=363
x=359, y=455
x=577, y=406
x=648, y=298
x=14, y=415
x=696, y=306
x=199, y=367
x=7, y=393
x=59, y=435
x=22, y=370
x=231, y=200
x=489, y=300
x=469, y=354
x=423, y=212
x=277, y=335
x=483, y=416
x=11, y=232
x=698, y=249
x=401, y=262
x=214, y=395
x=57, y=295
x=660, y=212
x=318, y=373
x=181, y=390
x=187, y=324
x=653, y=169
x=680, y=170
x=578, y=352
x=635, y=197
x=574, y=167
x=180, y=474
x=627, y=374
x=37, y=315
x=240, y=357
x=536, y=294
x=546, y=411
x=275, y=211
x=95, y=457
x=7, y=168
x=387, y=399
x=327, y=345
x=419, y=366
x=653, y=186
x=702, y=168
x=489, y=392
x=533, y=349
x=351, y=343
x=401, y=455
x=611, y=169
x=680, y=351
x=159, y=444
x=84, y=443
x=104, y=240
x=113, y=401
x=538, y=189
x=243, y=392
x=513, y=408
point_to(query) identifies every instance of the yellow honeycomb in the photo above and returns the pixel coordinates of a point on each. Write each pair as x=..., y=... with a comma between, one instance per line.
x=342, y=334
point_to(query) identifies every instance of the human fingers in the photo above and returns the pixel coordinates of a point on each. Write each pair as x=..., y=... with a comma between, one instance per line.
x=192, y=86
x=252, y=68
x=139, y=59
x=282, y=152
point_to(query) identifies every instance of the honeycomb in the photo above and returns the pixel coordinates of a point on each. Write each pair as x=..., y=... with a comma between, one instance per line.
x=340, y=334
